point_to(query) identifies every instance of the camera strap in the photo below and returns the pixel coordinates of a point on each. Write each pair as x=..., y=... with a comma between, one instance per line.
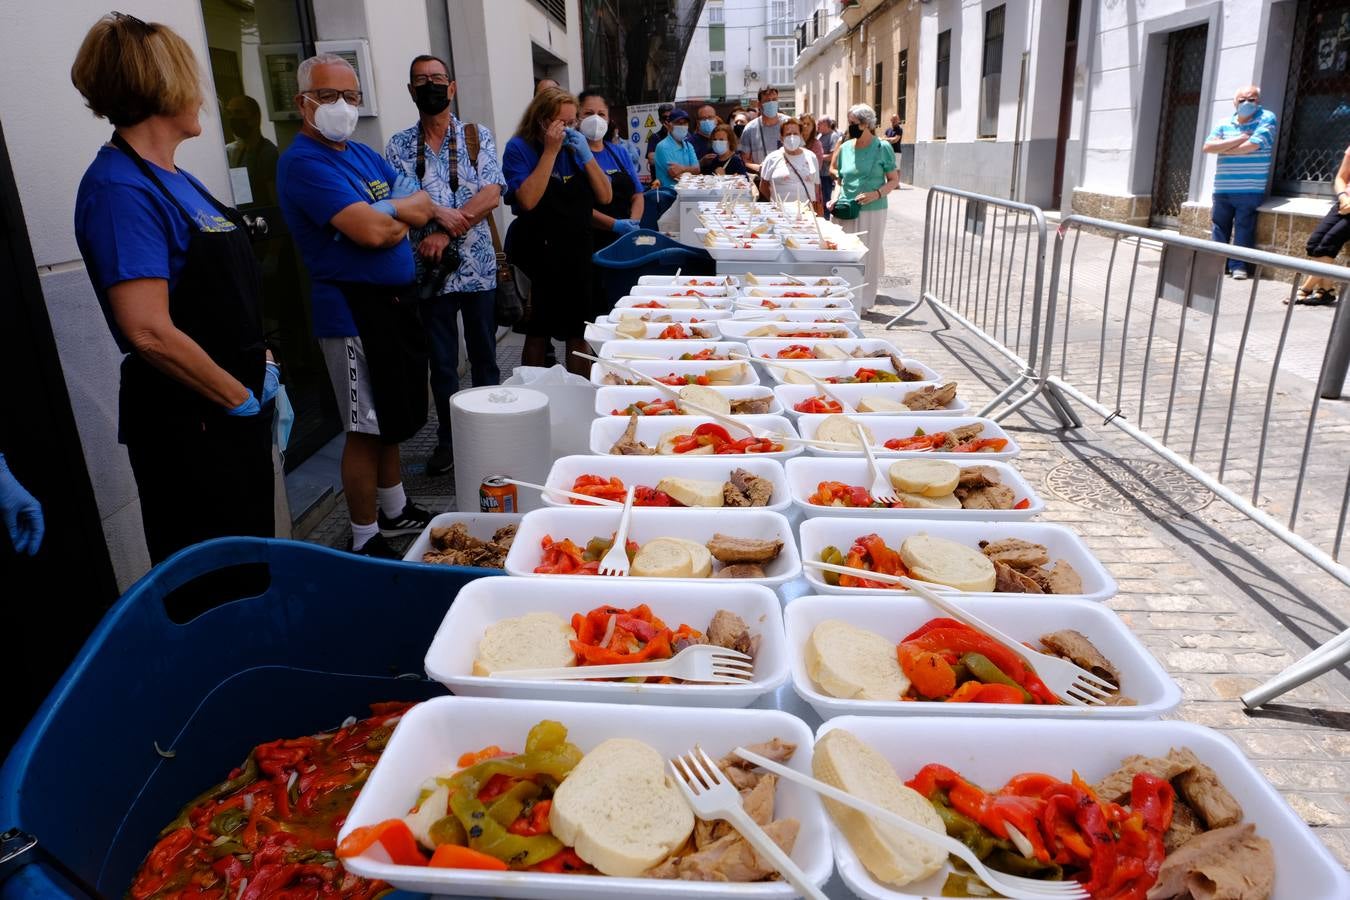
x=452, y=157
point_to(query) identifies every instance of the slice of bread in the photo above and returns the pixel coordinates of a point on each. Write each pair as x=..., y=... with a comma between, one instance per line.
x=875, y=404
x=946, y=562
x=706, y=398
x=793, y=376
x=619, y=809
x=828, y=351
x=843, y=430
x=631, y=329
x=538, y=640
x=853, y=663
x=892, y=856
x=666, y=446
x=732, y=374
x=699, y=557
x=691, y=492
x=919, y=501
x=930, y=477
x=663, y=558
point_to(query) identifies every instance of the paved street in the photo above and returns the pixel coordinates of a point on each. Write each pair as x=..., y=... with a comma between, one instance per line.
x=1218, y=601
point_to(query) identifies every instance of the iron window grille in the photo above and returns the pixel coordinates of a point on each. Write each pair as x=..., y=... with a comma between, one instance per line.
x=991, y=71
x=1315, y=125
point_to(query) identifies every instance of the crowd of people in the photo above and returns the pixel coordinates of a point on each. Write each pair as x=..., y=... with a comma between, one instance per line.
x=400, y=248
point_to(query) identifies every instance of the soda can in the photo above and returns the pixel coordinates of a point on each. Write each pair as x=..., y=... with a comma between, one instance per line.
x=495, y=495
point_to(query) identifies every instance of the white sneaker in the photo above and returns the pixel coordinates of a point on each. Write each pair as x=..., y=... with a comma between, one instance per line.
x=1239, y=274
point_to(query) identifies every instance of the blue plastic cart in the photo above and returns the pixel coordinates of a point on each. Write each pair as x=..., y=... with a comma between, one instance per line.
x=639, y=253
x=331, y=634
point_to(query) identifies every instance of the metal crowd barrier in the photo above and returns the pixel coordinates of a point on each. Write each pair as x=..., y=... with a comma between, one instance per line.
x=984, y=266
x=1138, y=348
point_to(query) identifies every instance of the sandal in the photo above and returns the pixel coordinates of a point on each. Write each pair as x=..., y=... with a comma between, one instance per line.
x=1300, y=298
x=1322, y=297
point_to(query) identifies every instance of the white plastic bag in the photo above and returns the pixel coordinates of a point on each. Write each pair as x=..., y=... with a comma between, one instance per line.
x=571, y=405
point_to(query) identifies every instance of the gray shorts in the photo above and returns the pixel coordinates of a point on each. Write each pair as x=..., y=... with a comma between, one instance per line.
x=346, y=361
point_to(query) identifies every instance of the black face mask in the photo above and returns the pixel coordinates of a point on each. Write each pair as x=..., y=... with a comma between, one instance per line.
x=854, y=130
x=431, y=99
x=738, y=128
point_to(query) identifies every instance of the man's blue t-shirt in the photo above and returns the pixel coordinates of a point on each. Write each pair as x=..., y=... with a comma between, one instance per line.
x=673, y=151
x=126, y=229
x=519, y=160
x=315, y=183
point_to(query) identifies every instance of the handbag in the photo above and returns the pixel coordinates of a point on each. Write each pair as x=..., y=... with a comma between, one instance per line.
x=507, y=307
x=847, y=208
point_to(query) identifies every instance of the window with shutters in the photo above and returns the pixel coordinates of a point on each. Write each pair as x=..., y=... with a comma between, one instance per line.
x=902, y=85
x=782, y=54
x=557, y=10
x=941, y=79
x=991, y=71
x=780, y=23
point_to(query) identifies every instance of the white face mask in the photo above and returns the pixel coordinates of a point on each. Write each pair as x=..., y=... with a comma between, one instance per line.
x=792, y=142
x=335, y=121
x=594, y=127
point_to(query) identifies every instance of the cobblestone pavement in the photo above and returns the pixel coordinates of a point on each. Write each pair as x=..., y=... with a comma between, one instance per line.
x=1221, y=604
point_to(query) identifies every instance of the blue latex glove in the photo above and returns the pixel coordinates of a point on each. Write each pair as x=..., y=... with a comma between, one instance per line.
x=271, y=382
x=386, y=207
x=623, y=226
x=577, y=142
x=405, y=186
x=250, y=406
x=21, y=513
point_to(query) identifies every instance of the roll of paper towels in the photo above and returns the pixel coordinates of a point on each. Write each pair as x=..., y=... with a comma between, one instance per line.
x=499, y=431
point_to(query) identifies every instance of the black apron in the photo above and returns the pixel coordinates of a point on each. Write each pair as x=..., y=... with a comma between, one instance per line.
x=553, y=244
x=620, y=206
x=201, y=472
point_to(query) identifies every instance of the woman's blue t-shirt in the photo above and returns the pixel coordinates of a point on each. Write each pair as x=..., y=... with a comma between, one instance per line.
x=127, y=229
x=315, y=183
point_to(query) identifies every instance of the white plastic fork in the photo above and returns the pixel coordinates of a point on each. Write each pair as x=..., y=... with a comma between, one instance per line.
x=707, y=663
x=820, y=385
x=615, y=560
x=1070, y=682
x=881, y=490
x=866, y=573
x=572, y=495
x=714, y=797
x=1014, y=887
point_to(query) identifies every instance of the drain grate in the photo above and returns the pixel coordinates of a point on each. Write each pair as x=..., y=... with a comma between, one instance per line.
x=1120, y=486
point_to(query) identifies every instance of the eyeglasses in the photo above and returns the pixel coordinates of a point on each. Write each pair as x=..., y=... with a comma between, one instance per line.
x=419, y=80
x=326, y=96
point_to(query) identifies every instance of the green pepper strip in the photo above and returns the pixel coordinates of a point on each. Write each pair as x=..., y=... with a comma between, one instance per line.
x=984, y=670
x=447, y=830
x=832, y=556
x=247, y=775
x=508, y=807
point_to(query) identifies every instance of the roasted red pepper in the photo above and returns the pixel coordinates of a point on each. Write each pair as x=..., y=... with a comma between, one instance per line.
x=393, y=834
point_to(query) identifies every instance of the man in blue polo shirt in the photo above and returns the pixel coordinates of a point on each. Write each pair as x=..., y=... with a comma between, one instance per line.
x=349, y=213
x=1245, y=144
x=675, y=154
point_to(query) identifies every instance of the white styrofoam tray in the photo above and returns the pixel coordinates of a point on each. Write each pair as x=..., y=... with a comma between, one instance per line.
x=612, y=397
x=888, y=427
x=650, y=316
x=1141, y=677
x=648, y=524
x=840, y=316
x=758, y=291
x=990, y=751
x=638, y=301
x=811, y=254
x=769, y=348
x=479, y=525
x=845, y=368
x=660, y=368
x=768, y=252
x=688, y=280
x=739, y=330
x=803, y=481
x=433, y=735
x=482, y=603
x=668, y=290
x=1061, y=542
x=774, y=279
x=602, y=332
x=623, y=350
x=788, y=304
x=792, y=394
x=649, y=470
x=606, y=430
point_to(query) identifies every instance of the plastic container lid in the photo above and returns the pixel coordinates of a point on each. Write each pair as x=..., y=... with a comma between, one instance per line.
x=497, y=400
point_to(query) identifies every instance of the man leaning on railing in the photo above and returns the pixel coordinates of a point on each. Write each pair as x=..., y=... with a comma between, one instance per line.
x=1244, y=143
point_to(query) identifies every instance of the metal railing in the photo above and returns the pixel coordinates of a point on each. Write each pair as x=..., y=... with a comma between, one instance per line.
x=984, y=266
x=1142, y=349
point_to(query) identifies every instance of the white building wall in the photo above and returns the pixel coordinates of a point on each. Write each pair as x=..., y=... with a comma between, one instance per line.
x=52, y=137
x=822, y=64
x=746, y=52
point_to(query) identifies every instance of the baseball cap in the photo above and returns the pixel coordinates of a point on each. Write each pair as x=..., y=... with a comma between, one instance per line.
x=679, y=115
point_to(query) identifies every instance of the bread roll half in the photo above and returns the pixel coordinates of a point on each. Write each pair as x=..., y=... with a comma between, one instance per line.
x=946, y=562
x=929, y=477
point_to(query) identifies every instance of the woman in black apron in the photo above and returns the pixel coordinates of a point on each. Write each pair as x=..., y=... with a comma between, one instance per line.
x=553, y=183
x=195, y=400
x=623, y=213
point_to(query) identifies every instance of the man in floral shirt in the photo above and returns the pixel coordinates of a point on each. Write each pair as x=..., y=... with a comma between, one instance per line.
x=471, y=194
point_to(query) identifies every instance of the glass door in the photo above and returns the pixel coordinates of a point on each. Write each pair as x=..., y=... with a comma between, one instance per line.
x=255, y=50
x=1182, y=82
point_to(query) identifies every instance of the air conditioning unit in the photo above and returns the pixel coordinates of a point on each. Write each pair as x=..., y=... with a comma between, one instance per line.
x=753, y=76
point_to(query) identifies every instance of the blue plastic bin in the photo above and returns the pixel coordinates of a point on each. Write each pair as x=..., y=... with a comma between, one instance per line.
x=331, y=634
x=655, y=202
x=643, y=252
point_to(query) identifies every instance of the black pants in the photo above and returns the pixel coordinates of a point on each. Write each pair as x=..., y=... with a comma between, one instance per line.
x=198, y=485
x=1330, y=235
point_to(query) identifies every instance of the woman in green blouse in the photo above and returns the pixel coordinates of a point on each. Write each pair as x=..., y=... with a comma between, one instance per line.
x=864, y=168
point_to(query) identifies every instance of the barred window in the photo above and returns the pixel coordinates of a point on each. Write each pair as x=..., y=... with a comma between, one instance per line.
x=1315, y=125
